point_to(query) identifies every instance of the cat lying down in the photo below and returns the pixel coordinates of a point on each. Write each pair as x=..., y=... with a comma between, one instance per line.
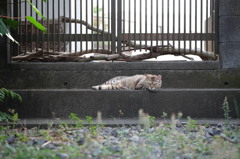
x=137, y=82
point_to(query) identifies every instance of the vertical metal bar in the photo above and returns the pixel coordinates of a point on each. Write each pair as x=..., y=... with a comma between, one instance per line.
x=87, y=22
x=184, y=26
x=151, y=25
x=98, y=24
x=37, y=31
x=145, y=25
x=196, y=24
x=10, y=10
x=64, y=25
x=212, y=21
x=135, y=25
x=38, y=38
x=174, y=23
x=8, y=48
x=92, y=23
x=109, y=23
x=190, y=25
x=168, y=23
x=216, y=26
x=26, y=34
x=201, y=24
x=119, y=26
x=53, y=25
x=123, y=11
x=129, y=22
x=11, y=43
x=113, y=26
x=15, y=34
x=157, y=12
x=207, y=25
x=31, y=31
x=20, y=26
x=162, y=23
x=75, y=34
x=103, y=25
x=179, y=24
x=48, y=27
x=140, y=17
x=59, y=25
x=70, y=26
x=81, y=26
x=43, y=41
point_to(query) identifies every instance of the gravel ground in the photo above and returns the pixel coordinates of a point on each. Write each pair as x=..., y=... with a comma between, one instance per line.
x=178, y=141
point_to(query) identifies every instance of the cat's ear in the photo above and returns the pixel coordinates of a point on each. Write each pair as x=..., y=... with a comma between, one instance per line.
x=159, y=77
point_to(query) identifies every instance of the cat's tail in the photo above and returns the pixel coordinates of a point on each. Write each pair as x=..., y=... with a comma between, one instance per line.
x=98, y=87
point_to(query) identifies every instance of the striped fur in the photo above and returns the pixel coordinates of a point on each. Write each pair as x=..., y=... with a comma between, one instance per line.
x=136, y=82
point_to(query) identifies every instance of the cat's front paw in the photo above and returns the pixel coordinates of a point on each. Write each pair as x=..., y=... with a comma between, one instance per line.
x=152, y=90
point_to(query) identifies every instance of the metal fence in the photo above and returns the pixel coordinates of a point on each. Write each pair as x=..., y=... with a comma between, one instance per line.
x=117, y=26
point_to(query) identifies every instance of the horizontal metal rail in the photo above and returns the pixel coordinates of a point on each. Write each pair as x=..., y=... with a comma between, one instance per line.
x=132, y=36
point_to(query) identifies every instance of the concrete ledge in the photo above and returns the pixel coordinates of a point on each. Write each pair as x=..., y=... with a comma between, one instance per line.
x=68, y=78
x=197, y=103
x=75, y=66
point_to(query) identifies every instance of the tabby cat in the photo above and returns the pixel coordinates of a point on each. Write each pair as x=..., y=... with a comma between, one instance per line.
x=137, y=82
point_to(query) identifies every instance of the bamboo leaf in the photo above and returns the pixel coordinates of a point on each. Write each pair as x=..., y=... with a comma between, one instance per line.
x=35, y=23
x=36, y=10
x=4, y=31
x=11, y=23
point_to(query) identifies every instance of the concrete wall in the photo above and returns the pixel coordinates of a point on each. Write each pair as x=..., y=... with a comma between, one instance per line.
x=195, y=88
x=85, y=75
x=229, y=33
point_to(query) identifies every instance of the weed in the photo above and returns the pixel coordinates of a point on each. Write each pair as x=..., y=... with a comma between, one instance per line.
x=14, y=118
x=173, y=122
x=120, y=114
x=99, y=118
x=179, y=115
x=21, y=137
x=76, y=120
x=92, y=125
x=151, y=120
x=144, y=119
x=63, y=125
x=5, y=117
x=46, y=135
x=89, y=120
x=191, y=124
x=11, y=115
x=226, y=111
x=164, y=116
